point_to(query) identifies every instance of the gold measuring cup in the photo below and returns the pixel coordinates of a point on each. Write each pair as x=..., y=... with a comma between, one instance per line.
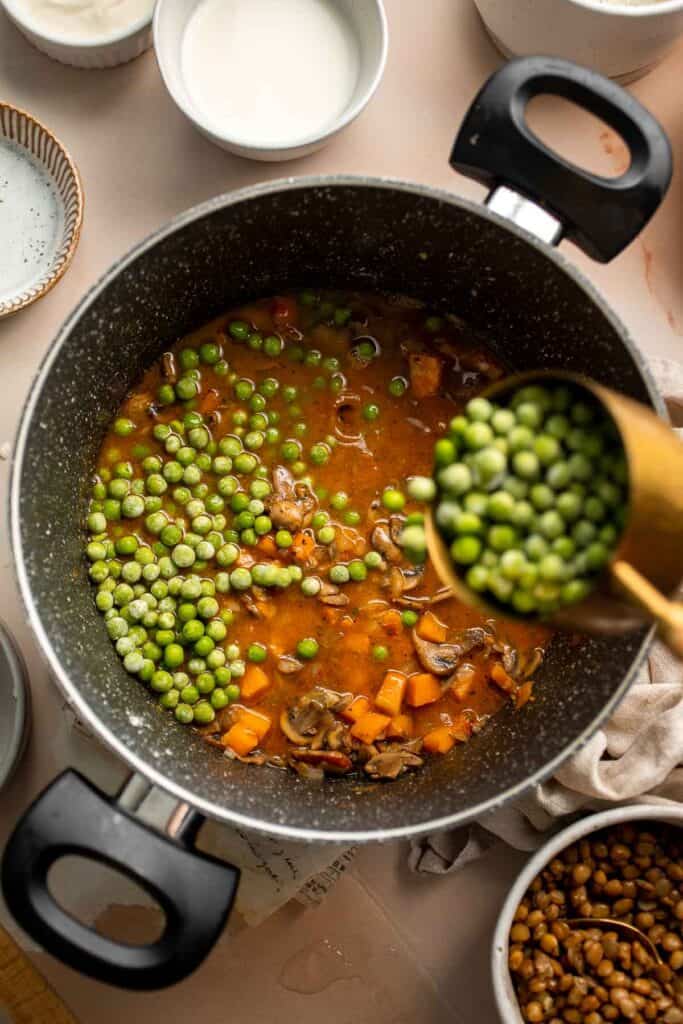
x=647, y=566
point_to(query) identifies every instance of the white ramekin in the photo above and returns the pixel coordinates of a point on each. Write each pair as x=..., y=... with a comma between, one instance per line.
x=370, y=25
x=623, y=40
x=118, y=48
x=506, y=1000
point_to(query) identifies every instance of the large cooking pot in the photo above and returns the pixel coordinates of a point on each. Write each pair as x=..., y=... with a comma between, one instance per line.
x=495, y=266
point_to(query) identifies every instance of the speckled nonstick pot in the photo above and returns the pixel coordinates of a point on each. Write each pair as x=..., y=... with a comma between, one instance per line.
x=536, y=309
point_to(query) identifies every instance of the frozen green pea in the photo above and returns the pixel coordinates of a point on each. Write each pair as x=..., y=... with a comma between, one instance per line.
x=489, y=464
x=500, y=506
x=526, y=464
x=466, y=550
x=542, y=497
x=444, y=452
x=502, y=421
x=551, y=524
x=478, y=435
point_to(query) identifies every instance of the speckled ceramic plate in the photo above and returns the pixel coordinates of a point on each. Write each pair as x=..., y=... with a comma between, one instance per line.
x=41, y=209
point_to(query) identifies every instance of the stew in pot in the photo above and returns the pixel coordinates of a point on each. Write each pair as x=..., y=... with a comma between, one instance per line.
x=243, y=528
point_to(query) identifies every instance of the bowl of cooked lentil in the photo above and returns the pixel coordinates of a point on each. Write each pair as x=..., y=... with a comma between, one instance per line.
x=552, y=964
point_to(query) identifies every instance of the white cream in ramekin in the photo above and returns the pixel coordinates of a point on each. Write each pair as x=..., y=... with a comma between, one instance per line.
x=85, y=33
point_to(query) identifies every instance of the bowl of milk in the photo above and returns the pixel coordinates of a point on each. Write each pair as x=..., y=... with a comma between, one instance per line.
x=271, y=79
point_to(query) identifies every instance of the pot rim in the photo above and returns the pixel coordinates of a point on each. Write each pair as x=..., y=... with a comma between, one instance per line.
x=88, y=714
x=508, y=1008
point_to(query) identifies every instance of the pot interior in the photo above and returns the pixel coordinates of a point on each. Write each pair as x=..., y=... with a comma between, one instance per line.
x=368, y=235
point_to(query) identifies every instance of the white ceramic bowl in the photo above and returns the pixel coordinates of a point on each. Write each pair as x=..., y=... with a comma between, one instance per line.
x=369, y=23
x=506, y=1000
x=107, y=52
x=623, y=40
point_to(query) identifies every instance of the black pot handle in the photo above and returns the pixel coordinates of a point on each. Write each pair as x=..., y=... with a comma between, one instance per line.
x=194, y=890
x=496, y=147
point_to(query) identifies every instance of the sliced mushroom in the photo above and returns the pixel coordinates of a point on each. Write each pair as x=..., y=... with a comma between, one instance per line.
x=290, y=501
x=411, y=601
x=332, y=596
x=224, y=719
x=307, y=723
x=391, y=764
x=249, y=603
x=364, y=752
x=333, y=762
x=533, y=662
x=168, y=370
x=336, y=737
x=308, y=772
x=286, y=514
x=283, y=482
x=442, y=659
x=396, y=524
x=510, y=660
x=412, y=746
x=381, y=540
x=292, y=734
x=288, y=665
x=403, y=580
x=306, y=719
x=320, y=739
x=322, y=697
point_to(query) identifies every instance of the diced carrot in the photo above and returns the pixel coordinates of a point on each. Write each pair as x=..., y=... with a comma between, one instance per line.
x=501, y=678
x=425, y=374
x=431, y=628
x=423, y=688
x=240, y=739
x=400, y=727
x=330, y=614
x=210, y=401
x=438, y=741
x=390, y=694
x=359, y=643
x=254, y=683
x=462, y=687
x=524, y=694
x=256, y=721
x=303, y=545
x=391, y=622
x=347, y=623
x=370, y=727
x=268, y=546
x=357, y=707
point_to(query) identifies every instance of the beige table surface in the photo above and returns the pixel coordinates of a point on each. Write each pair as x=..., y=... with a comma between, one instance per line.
x=386, y=947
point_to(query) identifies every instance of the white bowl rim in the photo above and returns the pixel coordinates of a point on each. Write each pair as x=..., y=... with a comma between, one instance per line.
x=35, y=29
x=644, y=10
x=348, y=115
x=583, y=826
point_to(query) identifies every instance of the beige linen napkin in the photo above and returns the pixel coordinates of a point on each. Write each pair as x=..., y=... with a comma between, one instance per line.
x=637, y=756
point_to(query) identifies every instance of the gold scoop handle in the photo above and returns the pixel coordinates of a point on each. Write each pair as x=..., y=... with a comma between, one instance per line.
x=667, y=614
